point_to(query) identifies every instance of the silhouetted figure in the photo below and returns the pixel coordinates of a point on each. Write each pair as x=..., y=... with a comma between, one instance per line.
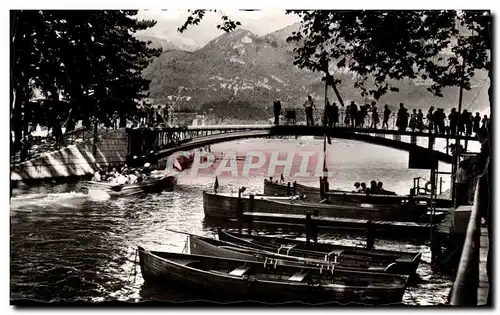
x=357, y=187
x=482, y=137
x=362, y=114
x=353, y=113
x=453, y=117
x=462, y=121
x=363, y=187
x=327, y=113
x=476, y=123
x=402, y=120
x=461, y=185
x=373, y=188
x=413, y=120
x=309, y=104
x=420, y=120
x=380, y=188
x=387, y=114
x=430, y=119
x=333, y=119
x=441, y=116
x=468, y=124
x=277, y=111
x=484, y=121
x=375, y=118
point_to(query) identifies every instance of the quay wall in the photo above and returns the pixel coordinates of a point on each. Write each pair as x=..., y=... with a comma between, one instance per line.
x=75, y=160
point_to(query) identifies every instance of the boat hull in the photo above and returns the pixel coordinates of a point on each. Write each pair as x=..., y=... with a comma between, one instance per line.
x=151, y=186
x=403, y=262
x=203, y=273
x=224, y=206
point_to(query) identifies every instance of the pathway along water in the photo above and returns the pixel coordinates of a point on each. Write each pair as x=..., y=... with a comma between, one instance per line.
x=67, y=247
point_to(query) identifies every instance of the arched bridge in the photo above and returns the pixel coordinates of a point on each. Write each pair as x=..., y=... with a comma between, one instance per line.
x=162, y=142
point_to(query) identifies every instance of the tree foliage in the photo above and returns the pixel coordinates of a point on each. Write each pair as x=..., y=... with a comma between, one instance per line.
x=88, y=63
x=382, y=47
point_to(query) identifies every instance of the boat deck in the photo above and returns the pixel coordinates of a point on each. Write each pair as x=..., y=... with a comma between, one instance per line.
x=411, y=229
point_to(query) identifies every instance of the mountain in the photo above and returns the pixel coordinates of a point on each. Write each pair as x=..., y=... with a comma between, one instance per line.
x=165, y=44
x=238, y=75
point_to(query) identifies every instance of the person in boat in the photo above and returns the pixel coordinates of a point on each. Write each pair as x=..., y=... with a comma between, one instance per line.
x=357, y=187
x=380, y=188
x=363, y=187
x=373, y=188
x=139, y=177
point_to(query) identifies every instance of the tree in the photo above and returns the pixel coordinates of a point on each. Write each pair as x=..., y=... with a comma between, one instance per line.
x=382, y=47
x=89, y=61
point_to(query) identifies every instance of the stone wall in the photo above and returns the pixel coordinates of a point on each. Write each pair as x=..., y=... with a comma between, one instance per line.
x=75, y=160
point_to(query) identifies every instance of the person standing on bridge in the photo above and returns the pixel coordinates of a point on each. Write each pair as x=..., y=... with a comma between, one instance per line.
x=375, y=118
x=476, y=123
x=387, y=114
x=309, y=104
x=334, y=115
x=413, y=120
x=327, y=113
x=353, y=113
x=402, y=120
x=277, y=111
x=420, y=120
x=430, y=119
x=453, y=117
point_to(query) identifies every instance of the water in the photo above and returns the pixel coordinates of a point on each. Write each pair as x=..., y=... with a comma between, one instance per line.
x=67, y=247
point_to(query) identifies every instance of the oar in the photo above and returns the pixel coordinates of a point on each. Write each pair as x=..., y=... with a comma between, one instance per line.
x=117, y=188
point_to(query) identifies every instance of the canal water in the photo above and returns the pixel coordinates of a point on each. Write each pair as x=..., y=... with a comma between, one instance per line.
x=67, y=246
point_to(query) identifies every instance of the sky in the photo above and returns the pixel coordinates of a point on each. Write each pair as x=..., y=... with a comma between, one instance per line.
x=258, y=22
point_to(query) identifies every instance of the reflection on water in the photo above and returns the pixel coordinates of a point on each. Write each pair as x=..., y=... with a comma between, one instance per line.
x=67, y=247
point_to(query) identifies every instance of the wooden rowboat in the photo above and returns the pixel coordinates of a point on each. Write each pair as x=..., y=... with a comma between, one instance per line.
x=242, y=280
x=224, y=206
x=335, y=195
x=198, y=245
x=273, y=188
x=154, y=185
x=403, y=262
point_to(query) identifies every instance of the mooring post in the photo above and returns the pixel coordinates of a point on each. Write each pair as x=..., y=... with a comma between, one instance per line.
x=308, y=228
x=370, y=235
x=321, y=188
x=250, y=218
x=294, y=188
x=288, y=190
x=435, y=249
x=239, y=212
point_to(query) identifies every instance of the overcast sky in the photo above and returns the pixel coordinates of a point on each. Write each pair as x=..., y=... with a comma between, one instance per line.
x=258, y=22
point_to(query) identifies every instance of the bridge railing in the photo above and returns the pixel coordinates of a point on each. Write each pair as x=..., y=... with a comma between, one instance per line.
x=466, y=284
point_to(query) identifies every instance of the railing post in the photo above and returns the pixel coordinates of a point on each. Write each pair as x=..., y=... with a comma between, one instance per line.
x=250, y=218
x=308, y=228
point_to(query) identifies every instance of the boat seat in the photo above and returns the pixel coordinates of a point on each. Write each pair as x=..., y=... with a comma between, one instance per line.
x=287, y=248
x=240, y=271
x=334, y=253
x=299, y=276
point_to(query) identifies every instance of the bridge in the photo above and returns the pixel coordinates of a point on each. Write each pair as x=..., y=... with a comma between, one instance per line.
x=162, y=142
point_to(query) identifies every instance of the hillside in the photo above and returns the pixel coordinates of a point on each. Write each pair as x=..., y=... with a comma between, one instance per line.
x=238, y=74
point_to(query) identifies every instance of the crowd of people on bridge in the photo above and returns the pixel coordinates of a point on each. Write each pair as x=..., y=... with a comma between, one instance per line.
x=367, y=116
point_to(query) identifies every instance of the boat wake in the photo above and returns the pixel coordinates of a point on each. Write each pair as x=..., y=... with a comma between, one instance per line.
x=68, y=199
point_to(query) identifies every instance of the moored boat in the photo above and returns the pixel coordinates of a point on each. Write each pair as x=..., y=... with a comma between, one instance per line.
x=275, y=188
x=224, y=206
x=211, y=247
x=404, y=262
x=249, y=280
x=153, y=185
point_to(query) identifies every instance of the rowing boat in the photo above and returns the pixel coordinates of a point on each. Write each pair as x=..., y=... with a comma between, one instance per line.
x=404, y=262
x=224, y=206
x=153, y=185
x=241, y=280
x=211, y=247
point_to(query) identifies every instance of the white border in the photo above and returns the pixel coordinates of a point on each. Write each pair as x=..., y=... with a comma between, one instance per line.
x=93, y=4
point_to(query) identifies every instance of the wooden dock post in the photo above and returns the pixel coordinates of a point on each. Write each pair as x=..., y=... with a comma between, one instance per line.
x=294, y=188
x=321, y=188
x=288, y=189
x=239, y=212
x=370, y=235
x=250, y=219
x=436, y=252
x=308, y=228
